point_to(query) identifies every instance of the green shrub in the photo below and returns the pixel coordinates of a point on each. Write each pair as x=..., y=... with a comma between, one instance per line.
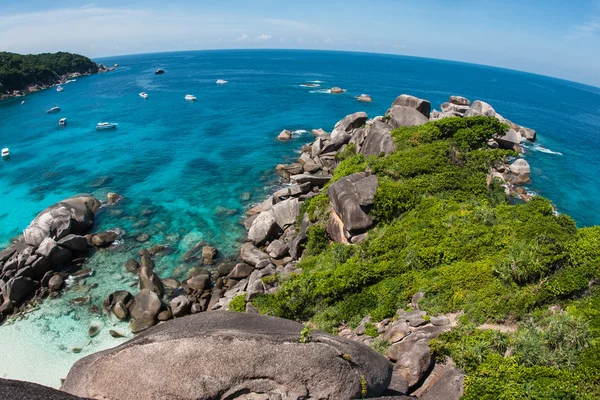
x=371, y=330
x=238, y=303
x=317, y=240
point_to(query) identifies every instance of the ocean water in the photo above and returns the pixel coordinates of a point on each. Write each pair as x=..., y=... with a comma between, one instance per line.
x=183, y=167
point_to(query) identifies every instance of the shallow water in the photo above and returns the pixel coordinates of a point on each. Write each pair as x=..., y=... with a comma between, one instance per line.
x=183, y=166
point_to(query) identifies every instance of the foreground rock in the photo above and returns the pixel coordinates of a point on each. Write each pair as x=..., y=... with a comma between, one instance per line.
x=224, y=355
x=12, y=390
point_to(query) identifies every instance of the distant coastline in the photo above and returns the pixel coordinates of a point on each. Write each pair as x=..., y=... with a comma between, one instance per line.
x=24, y=74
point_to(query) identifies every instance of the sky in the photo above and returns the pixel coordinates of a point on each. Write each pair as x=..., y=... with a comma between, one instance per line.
x=559, y=38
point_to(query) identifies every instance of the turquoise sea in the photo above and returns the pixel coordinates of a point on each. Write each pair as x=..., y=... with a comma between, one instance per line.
x=183, y=166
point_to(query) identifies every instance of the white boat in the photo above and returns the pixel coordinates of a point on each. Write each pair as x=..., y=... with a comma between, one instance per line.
x=23, y=102
x=59, y=88
x=5, y=153
x=221, y=82
x=53, y=110
x=105, y=125
x=144, y=95
x=62, y=122
x=190, y=97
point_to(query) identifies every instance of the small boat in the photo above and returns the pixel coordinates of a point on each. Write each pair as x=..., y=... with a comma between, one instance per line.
x=105, y=125
x=53, y=110
x=62, y=122
x=59, y=88
x=23, y=102
x=159, y=71
x=221, y=82
x=116, y=65
x=190, y=97
x=144, y=95
x=5, y=153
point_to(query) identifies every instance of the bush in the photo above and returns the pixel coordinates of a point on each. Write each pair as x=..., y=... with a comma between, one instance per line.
x=238, y=303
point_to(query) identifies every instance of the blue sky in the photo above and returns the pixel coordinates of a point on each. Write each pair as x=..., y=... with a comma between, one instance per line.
x=553, y=37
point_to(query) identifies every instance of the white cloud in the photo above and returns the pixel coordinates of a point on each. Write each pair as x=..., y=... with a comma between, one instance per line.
x=242, y=38
x=328, y=41
x=264, y=36
x=586, y=30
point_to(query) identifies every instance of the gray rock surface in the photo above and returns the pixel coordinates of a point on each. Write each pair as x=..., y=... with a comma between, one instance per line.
x=252, y=255
x=264, y=228
x=449, y=386
x=509, y=139
x=406, y=116
x=227, y=355
x=405, y=100
x=14, y=390
x=350, y=196
x=377, y=140
x=349, y=123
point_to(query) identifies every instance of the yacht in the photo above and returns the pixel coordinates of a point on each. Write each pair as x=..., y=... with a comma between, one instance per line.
x=5, y=153
x=62, y=122
x=59, y=88
x=190, y=97
x=144, y=95
x=159, y=71
x=53, y=110
x=105, y=125
x=221, y=82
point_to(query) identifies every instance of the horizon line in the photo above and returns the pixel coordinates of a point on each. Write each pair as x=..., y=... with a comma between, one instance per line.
x=359, y=52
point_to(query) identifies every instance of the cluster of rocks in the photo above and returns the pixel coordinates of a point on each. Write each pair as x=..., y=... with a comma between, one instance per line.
x=415, y=372
x=57, y=239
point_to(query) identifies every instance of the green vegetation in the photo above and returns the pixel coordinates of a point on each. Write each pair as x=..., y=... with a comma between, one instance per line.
x=306, y=333
x=238, y=303
x=441, y=230
x=19, y=71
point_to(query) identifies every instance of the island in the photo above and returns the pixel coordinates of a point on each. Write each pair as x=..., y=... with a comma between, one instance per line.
x=21, y=74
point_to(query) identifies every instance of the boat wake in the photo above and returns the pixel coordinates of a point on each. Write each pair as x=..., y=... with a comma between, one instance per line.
x=542, y=149
x=326, y=91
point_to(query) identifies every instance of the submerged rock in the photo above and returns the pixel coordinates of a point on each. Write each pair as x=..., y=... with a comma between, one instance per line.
x=225, y=356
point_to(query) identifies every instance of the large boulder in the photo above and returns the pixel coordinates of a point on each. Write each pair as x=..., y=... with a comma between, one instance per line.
x=520, y=166
x=314, y=180
x=351, y=196
x=449, y=386
x=228, y=355
x=413, y=359
x=264, y=228
x=406, y=116
x=349, y=123
x=145, y=301
x=74, y=242
x=528, y=134
x=459, y=101
x=18, y=289
x=13, y=390
x=405, y=100
x=252, y=255
x=73, y=215
x=509, y=139
x=377, y=140
x=286, y=212
x=480, y=108
x=148, y=278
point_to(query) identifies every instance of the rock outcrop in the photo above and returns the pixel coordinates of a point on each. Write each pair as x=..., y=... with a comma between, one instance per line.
x=351, y=196
x=52, y=240
x=405, y=100
x=13, y=390
x=223, y=355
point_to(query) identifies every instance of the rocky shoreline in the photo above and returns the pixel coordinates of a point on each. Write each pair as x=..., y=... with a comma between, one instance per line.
x=60, y=80
x=34, y=267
